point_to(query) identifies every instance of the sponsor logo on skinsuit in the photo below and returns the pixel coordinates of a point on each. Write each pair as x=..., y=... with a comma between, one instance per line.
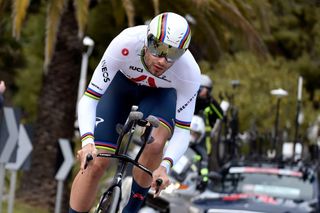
x=187, y=103
x=150, y=81
x=104, y=70
x=136, y=68
x=96, y=86
x=163, y=77
x=138, y=196
x=99, y=120
x=125, y=51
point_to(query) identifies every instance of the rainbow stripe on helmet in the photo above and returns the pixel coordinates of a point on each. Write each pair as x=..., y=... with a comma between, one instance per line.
x=162, y=27
x=162, y=31
x=185, y=39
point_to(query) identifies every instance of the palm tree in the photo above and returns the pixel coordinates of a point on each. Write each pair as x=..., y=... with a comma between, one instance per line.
x=58, y=95
x=219, y=24
x=11, y=56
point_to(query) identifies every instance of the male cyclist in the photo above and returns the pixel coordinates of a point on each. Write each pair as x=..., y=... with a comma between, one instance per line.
x=209, y=109
x=149, y=66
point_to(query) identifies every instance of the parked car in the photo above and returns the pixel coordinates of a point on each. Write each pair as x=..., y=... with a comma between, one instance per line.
x=263, y=188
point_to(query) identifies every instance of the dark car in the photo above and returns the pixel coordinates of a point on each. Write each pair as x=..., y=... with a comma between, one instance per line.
x=265, y=187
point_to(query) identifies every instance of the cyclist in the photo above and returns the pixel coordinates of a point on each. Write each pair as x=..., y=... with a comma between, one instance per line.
x=209, y=109
x=149, y=66
x=197, y=143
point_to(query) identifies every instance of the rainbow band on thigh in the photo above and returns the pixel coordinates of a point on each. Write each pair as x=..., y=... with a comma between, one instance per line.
x=166, y=125
x=105, y=146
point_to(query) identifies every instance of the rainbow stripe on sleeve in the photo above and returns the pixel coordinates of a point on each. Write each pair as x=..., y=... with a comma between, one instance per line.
x=87, y=135
x=168, y=160
x=183, y=124
x=93, y=94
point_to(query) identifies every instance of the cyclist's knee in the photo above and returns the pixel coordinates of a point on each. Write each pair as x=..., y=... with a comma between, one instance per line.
x=98, y=167
x=160, y=135
x=155, y=148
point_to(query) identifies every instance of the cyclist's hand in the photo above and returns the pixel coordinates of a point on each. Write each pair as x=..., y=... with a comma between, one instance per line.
x=82, y=154
x=159, y=173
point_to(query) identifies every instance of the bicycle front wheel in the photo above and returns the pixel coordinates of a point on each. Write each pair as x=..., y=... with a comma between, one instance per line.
x=109, y=203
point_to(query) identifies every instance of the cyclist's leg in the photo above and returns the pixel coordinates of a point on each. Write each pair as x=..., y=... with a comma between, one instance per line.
x=202, y=150
x=160, y=103
x=152, y=151
x=85, y=186
x=203, y=165
x=112, y=109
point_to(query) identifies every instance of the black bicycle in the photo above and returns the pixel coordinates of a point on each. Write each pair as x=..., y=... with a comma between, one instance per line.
x=228, y=132
x=110, y=200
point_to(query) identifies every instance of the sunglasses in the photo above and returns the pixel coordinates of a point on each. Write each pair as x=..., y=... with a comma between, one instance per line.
x=160, y=49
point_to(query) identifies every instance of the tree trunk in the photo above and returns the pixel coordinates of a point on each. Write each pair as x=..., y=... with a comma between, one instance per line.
x=55, y=117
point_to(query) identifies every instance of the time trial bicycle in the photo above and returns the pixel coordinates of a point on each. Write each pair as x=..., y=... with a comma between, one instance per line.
x=110, y=199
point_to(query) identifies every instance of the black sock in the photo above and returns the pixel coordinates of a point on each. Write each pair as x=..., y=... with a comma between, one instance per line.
x=136, y=199
x=73, y=211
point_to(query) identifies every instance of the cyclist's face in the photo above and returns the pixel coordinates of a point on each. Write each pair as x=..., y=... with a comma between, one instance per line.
x=194, y=136
x=156, y=65
x=203, y=92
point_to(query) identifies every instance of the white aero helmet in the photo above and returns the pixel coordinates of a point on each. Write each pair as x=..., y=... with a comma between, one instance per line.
x=206, y=81
x=168, y=36
x=197, y=128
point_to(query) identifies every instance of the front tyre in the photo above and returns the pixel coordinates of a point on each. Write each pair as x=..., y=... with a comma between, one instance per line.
x=109, y=202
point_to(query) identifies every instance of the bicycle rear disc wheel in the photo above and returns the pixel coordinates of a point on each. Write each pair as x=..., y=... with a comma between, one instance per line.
x=110, y=202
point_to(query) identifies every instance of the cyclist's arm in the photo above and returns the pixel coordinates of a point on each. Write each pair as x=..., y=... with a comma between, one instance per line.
x=215, y=106
x=100, y=81
x=177, y=146
x=179, y=141
x=211, y=113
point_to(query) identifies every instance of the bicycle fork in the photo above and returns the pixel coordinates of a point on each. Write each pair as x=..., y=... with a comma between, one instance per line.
x=117, y=182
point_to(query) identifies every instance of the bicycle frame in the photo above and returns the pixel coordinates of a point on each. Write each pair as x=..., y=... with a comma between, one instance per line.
x=124, y=159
